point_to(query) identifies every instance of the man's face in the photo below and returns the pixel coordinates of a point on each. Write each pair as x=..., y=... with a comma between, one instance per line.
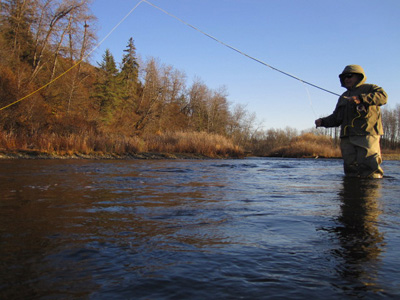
x=351, y=79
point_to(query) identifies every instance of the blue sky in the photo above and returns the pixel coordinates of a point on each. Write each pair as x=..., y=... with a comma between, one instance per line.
x=311, y=39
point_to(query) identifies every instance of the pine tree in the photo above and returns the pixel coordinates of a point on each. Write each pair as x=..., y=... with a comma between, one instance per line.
x=129, y=76
x=130, y=68
x=108, y=88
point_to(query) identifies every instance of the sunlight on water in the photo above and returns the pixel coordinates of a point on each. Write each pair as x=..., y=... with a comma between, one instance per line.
x=197, y=229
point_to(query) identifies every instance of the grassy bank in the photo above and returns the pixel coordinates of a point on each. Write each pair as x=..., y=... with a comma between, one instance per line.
x=165, y=145
x=390, y=155
x=311, y=145
x=179, y=144
x=308, y=145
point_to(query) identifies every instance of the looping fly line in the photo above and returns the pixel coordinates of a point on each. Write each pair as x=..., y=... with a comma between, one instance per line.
x=187, y=24
x=240, y=52
x=75, y=65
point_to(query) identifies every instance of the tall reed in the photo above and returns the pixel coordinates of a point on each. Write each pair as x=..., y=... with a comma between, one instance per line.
x=309, y=145
x=212, y=145
x=70, y=144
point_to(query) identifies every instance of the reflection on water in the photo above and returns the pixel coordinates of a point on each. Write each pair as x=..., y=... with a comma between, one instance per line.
x=360, y=240
x=206, y=229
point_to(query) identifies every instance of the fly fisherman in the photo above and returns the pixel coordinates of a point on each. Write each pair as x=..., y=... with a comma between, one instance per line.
x=358, y=113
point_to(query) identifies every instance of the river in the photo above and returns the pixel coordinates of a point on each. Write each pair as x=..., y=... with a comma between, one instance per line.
x=257, y=228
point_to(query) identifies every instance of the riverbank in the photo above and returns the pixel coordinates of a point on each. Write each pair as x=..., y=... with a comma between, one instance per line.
x=23, y=154
x=177, y=145
x=391, y=156
x=167, y=145
x=32, y=154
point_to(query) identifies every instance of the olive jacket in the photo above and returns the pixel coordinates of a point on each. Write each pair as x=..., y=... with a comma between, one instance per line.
x=362, y=119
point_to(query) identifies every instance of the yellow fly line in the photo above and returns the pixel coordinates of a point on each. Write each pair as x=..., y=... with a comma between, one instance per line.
x=41, y=88
x=75, y=65
x=195, y=28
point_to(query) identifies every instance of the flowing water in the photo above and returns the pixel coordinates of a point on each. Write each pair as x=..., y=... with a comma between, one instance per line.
x=256, y=228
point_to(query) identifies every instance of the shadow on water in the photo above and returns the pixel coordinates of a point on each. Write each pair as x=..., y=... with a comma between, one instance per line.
x=240, y=229
x=361, y=242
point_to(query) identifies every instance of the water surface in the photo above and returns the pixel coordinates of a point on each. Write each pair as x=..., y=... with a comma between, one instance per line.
x=256, y=228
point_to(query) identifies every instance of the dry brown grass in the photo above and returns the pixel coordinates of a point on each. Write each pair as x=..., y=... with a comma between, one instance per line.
x=211, y=145
x=391, y=154
x=195, y=143
x=86, y=144
x=309, y=145
x=168, y=144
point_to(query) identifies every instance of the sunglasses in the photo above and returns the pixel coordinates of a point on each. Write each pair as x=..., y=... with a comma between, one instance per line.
x=349, y=75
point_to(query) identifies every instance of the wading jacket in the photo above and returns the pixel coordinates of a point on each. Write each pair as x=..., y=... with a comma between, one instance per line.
x=362, y=119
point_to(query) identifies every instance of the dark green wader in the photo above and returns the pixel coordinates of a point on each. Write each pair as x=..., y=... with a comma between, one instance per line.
x=362, y=156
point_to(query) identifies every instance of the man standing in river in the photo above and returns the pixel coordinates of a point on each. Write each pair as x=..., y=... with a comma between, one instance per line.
x=358, y=113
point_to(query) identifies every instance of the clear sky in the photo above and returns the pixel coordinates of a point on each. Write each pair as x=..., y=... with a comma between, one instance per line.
x=310, y=39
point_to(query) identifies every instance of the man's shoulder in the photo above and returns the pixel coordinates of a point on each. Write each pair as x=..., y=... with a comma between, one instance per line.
x=368, y=86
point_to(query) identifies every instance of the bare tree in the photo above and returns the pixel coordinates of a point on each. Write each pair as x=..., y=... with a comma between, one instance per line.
x=391, y=125
x=218, y=112
x=150, y=97
x=55, y=11
x=197, y=107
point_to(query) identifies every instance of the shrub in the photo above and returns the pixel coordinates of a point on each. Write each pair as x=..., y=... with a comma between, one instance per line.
x=211, y=145
x=308, y=145
x=73, y=143
x=90, y=143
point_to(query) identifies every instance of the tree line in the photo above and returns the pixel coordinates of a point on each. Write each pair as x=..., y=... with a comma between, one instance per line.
x=43, y=39
x=391, y=127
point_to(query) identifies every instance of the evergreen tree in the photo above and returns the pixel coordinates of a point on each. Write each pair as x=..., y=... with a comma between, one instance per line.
x=108, y=64
x=108, y=88
x=130, y=66
x=129, y=75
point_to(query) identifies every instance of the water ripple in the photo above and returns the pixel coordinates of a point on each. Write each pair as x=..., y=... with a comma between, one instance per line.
x=201, y=229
